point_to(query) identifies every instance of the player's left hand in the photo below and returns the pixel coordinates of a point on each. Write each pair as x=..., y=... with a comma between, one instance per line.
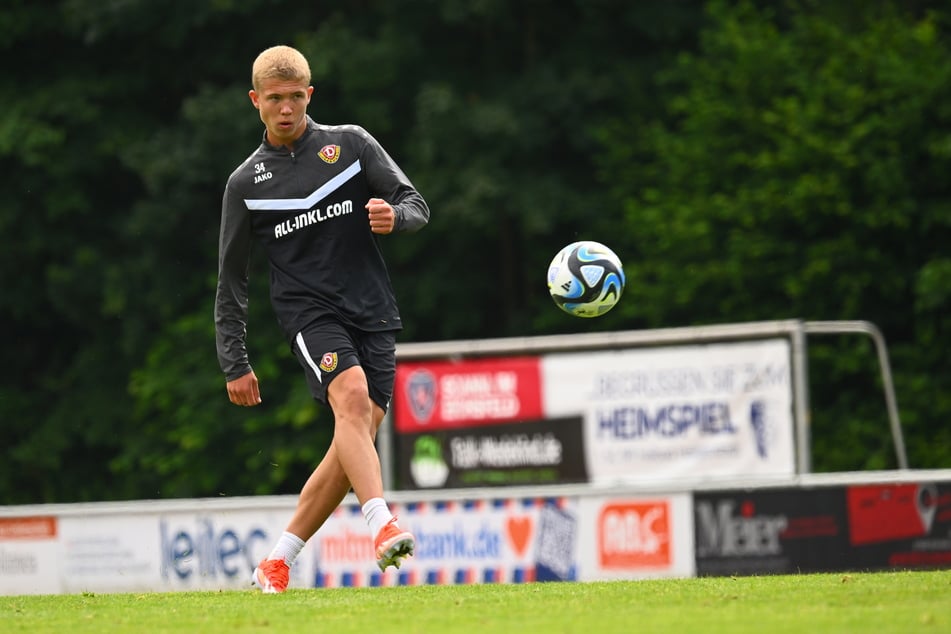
x=382, y=216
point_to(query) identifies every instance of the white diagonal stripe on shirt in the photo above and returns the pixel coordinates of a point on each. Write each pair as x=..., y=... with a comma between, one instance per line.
x=290, y=204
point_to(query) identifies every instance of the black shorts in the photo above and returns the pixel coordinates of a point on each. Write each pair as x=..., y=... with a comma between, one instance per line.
x=327, y=347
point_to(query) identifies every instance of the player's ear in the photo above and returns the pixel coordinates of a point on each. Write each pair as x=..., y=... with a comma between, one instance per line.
x=254, y=98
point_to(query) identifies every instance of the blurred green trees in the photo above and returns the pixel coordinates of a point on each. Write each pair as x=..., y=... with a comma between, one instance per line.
x=748, y=161
x=799, y=169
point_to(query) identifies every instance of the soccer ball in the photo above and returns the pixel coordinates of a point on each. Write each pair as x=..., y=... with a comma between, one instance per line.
x=585, y=279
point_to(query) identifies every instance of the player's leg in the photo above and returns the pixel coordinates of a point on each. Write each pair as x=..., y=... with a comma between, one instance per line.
x=391, y=543
x=323, y=492
x=328, y=484
x=355, y=415
x=377, y=352
x=338, y=379
x=349, y=398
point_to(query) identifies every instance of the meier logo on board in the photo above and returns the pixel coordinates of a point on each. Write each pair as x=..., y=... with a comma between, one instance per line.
x=770, y=531
x=723, y=531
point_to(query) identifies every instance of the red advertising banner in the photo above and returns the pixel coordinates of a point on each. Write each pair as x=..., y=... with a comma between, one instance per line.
x=39, y=527
x=635, y=534
x=433, y=395
x=886, y=512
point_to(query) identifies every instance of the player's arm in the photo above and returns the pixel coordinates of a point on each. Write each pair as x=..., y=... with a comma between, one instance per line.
x=390, y=186
x=231, y=300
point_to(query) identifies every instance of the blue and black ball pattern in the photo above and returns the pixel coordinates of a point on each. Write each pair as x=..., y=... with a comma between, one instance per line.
x=596, y=280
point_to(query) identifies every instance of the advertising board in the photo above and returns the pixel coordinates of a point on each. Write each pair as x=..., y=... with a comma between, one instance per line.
x=697, y=412
x=770, y=531
x=604, y=417
x=636, y=537
x=900, y=525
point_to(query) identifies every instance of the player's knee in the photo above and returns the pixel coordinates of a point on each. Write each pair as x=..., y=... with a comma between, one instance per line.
x=349, y=395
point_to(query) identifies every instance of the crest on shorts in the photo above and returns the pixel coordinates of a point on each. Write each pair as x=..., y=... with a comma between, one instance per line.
x=329, y=153
x=421, y=394
x=328, y=362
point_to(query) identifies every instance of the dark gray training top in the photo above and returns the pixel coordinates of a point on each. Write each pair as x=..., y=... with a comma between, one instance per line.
x=306, y=208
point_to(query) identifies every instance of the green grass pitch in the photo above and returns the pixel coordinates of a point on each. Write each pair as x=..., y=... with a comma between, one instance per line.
x=899, y=602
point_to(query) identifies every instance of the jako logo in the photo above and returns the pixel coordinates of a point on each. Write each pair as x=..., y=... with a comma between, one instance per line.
x=208, y=552
x=634, y=535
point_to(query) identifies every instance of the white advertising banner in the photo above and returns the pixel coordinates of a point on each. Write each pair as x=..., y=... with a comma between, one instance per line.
x=29, y=555
x=204, y=549
x=662, y=414
x=636, y=537
x=505, y=540
x=148, y=549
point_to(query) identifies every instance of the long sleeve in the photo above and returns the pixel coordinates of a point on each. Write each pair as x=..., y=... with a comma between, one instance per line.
x=231, y=300
x=388, y=181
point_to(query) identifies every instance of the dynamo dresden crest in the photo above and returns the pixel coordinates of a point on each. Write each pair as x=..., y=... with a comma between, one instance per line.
x=330, y=153
x=328, y=363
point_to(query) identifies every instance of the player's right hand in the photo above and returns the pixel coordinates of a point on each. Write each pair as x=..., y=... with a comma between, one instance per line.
x=244, y=390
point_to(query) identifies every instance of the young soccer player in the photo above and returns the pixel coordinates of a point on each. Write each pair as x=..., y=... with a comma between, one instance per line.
x=317, y=198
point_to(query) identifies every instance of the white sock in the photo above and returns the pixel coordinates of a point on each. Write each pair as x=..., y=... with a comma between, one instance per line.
x=377, y=513
x=288, y=547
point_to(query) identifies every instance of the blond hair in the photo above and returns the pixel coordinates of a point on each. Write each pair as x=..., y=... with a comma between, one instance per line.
x=280, y=62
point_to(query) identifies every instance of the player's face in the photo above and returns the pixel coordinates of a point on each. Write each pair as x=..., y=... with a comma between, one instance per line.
x=283, y=108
